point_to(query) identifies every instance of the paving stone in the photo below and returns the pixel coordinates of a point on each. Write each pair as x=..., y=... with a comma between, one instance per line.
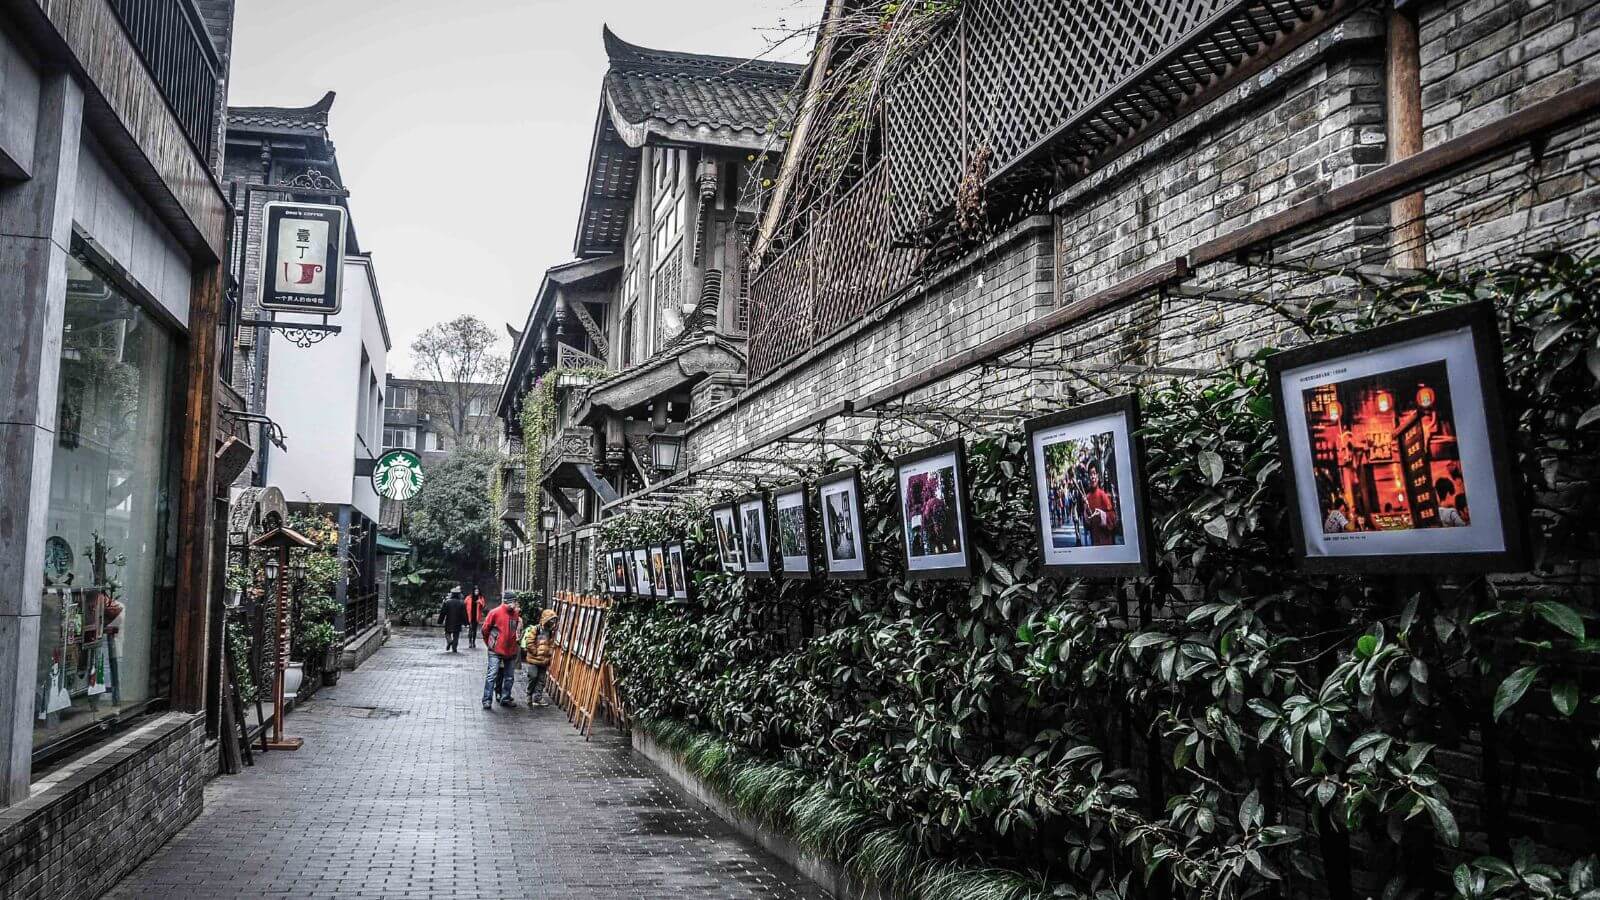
x=406, y=788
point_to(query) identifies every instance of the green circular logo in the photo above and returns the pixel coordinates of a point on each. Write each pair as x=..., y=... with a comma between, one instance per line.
x=397, y=475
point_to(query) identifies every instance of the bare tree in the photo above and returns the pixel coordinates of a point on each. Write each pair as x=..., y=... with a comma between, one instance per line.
x=461, y=360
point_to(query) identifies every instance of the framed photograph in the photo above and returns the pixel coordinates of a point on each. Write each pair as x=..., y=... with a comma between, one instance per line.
x=934, y=514
x=1386, y=434
x=844, y=545
x=678, y=577
x=642, y=585
x=791, y=522
x=617, y=576
x=755, y=542
x=658, y=571
x=1088, y=490
x=725, y=519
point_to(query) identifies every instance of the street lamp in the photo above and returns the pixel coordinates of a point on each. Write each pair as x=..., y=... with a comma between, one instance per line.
x=665, y=450
x=547, y=521
x=281, y=540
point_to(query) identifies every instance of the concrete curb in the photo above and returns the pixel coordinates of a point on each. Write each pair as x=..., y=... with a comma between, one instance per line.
x=827, y=874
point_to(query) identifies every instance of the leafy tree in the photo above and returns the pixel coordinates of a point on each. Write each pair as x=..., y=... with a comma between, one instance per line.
x=460, y=359
x=453, y=528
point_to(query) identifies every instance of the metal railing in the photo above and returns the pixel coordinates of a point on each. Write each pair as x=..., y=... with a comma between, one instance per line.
x=171, y=38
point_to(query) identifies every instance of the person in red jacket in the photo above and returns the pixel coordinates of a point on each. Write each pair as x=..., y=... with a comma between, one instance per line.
x=502, y=630
x=475, y=607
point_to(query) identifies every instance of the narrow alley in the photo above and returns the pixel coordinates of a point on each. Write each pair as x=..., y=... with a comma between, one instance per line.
x=406, y=789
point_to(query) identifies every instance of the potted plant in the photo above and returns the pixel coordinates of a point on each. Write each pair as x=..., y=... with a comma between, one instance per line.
x=317, y=642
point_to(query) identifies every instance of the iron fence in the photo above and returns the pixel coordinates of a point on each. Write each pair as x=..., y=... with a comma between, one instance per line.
x=170, y=37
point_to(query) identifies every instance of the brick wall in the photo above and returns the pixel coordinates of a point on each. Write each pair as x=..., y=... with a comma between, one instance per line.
x=91, y=823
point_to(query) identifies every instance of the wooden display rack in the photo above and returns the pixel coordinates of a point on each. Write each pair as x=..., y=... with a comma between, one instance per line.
x=581, y=680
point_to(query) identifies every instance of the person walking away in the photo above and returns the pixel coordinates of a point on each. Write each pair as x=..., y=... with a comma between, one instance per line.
x=538, y=646
x=453, y=615
x=475, y=610
x=501, y=628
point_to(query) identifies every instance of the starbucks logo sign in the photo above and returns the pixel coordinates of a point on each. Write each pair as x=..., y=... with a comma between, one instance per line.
x=397, y=475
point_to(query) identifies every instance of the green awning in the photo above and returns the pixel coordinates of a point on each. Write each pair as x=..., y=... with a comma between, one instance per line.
x=388, y=546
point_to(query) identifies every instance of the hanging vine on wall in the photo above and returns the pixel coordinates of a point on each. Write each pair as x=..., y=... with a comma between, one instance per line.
x=1227, y=727
x=539, y=407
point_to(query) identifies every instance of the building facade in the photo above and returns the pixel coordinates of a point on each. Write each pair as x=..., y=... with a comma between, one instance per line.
x=645, y=328
x=113, y=236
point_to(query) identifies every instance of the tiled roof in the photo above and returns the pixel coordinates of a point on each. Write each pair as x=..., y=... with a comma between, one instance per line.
x=656, y=91
x=685, y=98
x=311, y=118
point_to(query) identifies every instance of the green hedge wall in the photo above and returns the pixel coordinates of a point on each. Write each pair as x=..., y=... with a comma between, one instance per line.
x=1227, y=727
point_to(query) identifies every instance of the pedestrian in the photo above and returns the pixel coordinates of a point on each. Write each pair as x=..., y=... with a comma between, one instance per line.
x=452, y=615
x=538, y=645
x=475, y=610
x=501, y=628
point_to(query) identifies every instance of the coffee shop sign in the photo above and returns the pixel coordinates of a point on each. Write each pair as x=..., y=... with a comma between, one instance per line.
x=302, y=258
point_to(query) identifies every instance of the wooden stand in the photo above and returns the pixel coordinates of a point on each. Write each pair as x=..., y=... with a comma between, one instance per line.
x=581, y=680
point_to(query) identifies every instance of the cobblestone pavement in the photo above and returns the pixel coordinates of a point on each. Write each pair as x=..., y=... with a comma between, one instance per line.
x=405, y=788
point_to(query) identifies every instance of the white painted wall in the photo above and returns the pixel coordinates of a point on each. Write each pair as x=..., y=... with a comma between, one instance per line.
x=315, y=394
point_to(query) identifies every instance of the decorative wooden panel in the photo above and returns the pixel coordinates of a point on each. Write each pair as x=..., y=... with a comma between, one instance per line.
x=1048, y=89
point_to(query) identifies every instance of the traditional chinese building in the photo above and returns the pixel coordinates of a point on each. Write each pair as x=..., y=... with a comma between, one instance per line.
x=645, y=328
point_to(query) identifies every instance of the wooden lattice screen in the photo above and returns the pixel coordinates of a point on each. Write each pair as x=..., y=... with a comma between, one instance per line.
x=1048, y=88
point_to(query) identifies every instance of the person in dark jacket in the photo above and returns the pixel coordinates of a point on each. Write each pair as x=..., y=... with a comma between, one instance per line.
x=453, y=615
x=502, y=633
x=476, y=606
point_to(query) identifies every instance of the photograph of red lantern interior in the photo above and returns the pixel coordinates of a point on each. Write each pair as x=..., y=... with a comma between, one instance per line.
x=1384, y=451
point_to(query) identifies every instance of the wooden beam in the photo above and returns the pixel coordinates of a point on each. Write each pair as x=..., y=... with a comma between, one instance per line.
x=1408, y=236
x=195, y=491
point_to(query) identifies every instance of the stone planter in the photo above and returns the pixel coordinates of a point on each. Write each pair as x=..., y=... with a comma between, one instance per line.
x=330, y=667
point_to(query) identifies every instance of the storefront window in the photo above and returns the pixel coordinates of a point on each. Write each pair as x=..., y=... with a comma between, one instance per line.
x=110, y=547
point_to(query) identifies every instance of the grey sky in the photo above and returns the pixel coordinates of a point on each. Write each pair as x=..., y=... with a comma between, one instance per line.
x=463, y=128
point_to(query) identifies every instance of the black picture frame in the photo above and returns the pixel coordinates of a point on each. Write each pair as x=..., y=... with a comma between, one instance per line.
x=1127, y=446
x=1472, y=406
x=618, y=560
x=681, y=579
x=725, y=531
x=794, y=567
x=847, y=481
x=658, y=576
x=957, y=564
x=755, y=550
x=642, y=586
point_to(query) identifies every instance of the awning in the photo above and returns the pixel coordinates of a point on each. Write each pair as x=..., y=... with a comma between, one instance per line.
x=388, y=546
x=674, y=371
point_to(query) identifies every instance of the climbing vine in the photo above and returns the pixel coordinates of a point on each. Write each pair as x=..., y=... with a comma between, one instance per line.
x=1226, y=727
x=539, y=408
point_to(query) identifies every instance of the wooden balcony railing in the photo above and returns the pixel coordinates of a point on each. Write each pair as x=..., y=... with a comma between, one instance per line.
x=1019, y=95
x=171, y=39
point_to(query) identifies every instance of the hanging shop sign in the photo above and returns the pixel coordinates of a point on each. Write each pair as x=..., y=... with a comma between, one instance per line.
x=302, y=256
x=791, y=520
x=1387, y=434
x=725, y=519
x=844, y=546
x=935, y=519
x=753, y=536
x=1088, y=490
x=397, y=475
x=677, y=574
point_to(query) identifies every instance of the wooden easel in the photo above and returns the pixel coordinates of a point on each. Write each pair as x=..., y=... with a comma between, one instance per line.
x=580, y=677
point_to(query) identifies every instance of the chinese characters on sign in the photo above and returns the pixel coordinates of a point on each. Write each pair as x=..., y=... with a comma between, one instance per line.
x=302, y=257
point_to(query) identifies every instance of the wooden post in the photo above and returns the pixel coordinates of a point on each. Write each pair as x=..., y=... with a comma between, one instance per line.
x=1403, y=77
x=195, y=492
